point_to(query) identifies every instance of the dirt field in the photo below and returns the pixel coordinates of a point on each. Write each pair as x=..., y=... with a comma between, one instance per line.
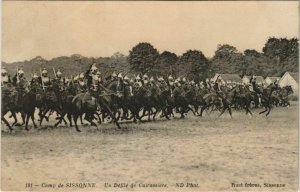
x=211, y=152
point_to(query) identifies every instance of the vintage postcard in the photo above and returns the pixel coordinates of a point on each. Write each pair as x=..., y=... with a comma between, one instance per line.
x=149, y=96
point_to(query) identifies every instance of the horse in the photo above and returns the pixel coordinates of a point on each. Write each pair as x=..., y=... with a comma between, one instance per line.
x=83, y=103
x=266, y=98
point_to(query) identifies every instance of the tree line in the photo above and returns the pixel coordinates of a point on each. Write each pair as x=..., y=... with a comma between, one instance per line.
x=278, y=56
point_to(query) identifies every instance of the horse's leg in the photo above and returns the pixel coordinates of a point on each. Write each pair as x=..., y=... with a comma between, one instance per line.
x=13, y=114
x=70, y=119
x=196, y=107
x=75, y=122
x=90, y=119
x=203, y=108
x=26, y=123
x=99, y=118
x=154, y=113
x=23, y=116
x=60, y=120
x=32, y=119
x=230, y=112
x=248, y=108
x=190, y=109
x=269, y=110
x=149, y=113
x=266, y=108
x=6, y=122
x=43, y=114
x=112, y=115
x=223, y=110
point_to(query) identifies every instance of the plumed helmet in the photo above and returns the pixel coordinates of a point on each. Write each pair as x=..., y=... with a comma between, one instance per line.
x=126, y=78
x=160, y=79
x=138, y=78
x=81, y=76
x=120, y=75
x=20, y=71
x=183, y=79
x=44, y=71
x=170, y=78
x=193, y=82
x=145, y=76
x=76, y=77
x=3, y=71
x=151, y=79
x=94, y=68
x=114, y=74
x=59, y=73
x=34, y=76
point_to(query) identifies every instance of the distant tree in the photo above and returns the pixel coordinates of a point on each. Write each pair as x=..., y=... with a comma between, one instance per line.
x=252, y=53
x=225, y=51
x=281, y=48
x=167, y=64
x=143, y=57
x=227, y=59
x=194, y=65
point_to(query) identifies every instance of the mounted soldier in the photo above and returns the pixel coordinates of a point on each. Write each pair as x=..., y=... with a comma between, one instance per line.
x=82, y=86
x=59, y=80
x=146, y=80
x=92, y=79
x=184, y=84
x=218, y=89
x=8, y=90
x=34, y=80
x=138, y=82
x=120, y=86
x=276, y=84
x=5, y=79
x=21, y=87
x=45, y=80
x=152, y=82
x=19, y=80
x=217, y=85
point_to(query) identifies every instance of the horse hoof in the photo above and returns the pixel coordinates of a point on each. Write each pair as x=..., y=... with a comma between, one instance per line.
x=78, y=130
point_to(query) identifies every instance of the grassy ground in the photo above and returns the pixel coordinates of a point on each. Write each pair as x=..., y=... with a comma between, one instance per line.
x=209, y=151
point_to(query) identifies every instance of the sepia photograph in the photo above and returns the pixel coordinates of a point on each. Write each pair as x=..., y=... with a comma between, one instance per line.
x=149, y=95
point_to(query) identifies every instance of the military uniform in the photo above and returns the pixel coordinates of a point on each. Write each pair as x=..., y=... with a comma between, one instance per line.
x=4, y=78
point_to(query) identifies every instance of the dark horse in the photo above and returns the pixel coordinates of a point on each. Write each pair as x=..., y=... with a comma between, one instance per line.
x=266, y=97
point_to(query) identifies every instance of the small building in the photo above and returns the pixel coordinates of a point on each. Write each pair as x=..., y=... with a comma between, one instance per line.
x=228, y=79
x=291, y=79
x=269, y=80
x=259, y=79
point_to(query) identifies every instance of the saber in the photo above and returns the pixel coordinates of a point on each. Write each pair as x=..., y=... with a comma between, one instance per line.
x=54, y=73
x=18, y=78
x=43, y=86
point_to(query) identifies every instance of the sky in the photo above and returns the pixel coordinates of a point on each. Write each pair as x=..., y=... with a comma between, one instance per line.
x=101, y=28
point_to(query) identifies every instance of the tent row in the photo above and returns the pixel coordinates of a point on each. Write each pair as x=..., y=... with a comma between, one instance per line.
x=289, y=78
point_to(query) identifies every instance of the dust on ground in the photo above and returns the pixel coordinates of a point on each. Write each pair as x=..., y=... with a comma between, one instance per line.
x=209, y=151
